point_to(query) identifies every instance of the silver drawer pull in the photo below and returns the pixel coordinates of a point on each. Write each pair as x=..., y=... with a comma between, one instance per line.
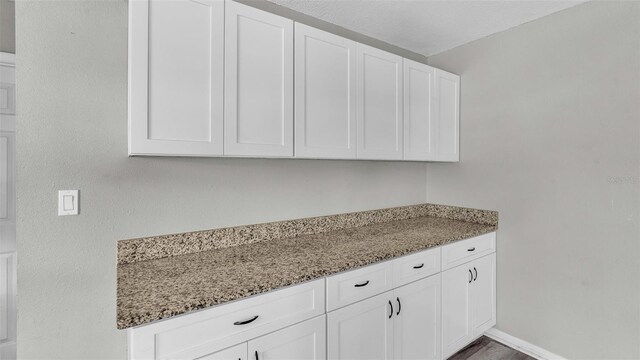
x=245, y=322
x=362, y=284
x=471, y=249
x=418, y=266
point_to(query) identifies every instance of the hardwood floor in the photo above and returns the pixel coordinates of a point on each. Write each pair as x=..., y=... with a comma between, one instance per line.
x=488, y=349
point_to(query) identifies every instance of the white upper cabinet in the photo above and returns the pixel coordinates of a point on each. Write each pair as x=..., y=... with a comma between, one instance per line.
x=325, y=94
x=379, y=104
x=216, y=78
x=431, y=113
x=420, y=124
x=258, y=83
x=176, y=77
x=447, y=113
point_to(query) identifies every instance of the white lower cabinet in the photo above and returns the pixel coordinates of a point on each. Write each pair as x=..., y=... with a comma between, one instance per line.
x=483, y=306
x=238, y=352
x=399, y=309
x=363, y=330
x=468, y=302
x=417, y=320
x=400, y=324
x=304, y=341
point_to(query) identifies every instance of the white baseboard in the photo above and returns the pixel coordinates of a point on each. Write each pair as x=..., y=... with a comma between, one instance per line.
x=521, y=345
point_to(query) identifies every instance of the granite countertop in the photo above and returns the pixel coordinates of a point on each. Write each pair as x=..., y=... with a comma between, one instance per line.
x=160, y=288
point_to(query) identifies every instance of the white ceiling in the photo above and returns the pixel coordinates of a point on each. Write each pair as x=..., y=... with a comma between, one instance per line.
x=427, y=27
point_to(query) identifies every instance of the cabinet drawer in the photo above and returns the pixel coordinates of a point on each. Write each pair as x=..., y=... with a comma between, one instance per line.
x=198, y=334
x=355, y=285
x=466, y=250
x=416, y=266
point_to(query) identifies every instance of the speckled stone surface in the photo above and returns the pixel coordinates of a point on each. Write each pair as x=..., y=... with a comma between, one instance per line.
x=160, y=288
x=162, y=246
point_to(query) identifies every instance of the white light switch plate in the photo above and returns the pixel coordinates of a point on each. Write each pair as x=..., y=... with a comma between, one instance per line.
x=68, y=202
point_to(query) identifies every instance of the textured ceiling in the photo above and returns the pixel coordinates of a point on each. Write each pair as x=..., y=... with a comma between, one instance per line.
x=427, y=27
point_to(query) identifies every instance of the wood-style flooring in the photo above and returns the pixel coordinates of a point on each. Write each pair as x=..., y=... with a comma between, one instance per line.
x=488, y=349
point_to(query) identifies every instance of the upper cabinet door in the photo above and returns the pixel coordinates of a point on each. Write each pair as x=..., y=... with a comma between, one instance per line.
x=447, y=110
x=420, y=124
x=325, y=94
x=176, y=77
x=258, y=83
x=379, y=104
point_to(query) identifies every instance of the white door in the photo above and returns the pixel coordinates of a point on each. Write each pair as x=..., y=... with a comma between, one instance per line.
x=483, y=294
x=7, y=207
x=258, y=83
x=447, y=110
x=379, y=104
x=456, y=309
x=325, y=94
x=176, y=67
x=417, y=320
x=238, y=352
x=363, y=330
x=420, y=125
x=304, y=341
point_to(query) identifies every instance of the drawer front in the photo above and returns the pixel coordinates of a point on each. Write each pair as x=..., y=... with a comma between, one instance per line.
x=198, y=334
x=355, y=285
x=414, y=267
x=466, y=250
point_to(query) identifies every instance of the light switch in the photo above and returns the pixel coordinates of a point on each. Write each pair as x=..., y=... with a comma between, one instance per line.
x=68, y=202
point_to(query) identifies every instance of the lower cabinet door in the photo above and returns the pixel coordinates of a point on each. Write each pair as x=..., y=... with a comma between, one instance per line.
x=363, y=330
x=303, y=341
x=456, y=309
x=483, y=294
x=417, y=320
x=238, y=352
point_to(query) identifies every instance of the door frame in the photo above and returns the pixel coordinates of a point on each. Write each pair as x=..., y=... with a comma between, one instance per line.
x=8, y=253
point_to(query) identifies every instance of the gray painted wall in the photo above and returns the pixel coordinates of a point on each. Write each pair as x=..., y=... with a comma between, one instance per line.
x=72, y=133
x=550, y=137
x=7, y=26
